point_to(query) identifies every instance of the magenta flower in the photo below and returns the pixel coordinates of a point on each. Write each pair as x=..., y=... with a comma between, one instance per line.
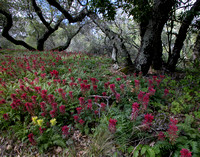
x=81, y=101
x=161, y=136
x=122, y=87
x=54, y=106
x=42, y=130
x=5, y=116
x=71, y=94
x=62, y=109
x=81, y=121
x=104, y=93
x=95, y=88
x=137, y=84
x=135, y=109
x=79, y=109
x=43, y=106
x=145, y=101
x=76, y=118
x=140, y=96
x=148, y=118
x=112, y=125
x=150, y=83
x=54, y=73
x=52, y=113
x=60, y=90
x=151, y=90
x=185, y=153
x=117, y=96
x=31, y=139
x=172, y=130
x=2, y=101
x=112, y=88
x=29, y=106
x=89, y=106
x=65, y=130
x=103, y=105
x=118, y=79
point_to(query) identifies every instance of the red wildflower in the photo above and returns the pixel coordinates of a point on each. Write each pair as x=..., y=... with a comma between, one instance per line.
x=79, y=80
x=140, y=96
x=5, y=116
x=161, y=136
x=104, y=93
x=135, y=109
x=54, y=106
x=52, y=113
x=112, y=88
x=122, y=87
x=118, y=79
x=2, y=101
x=103, y=105
x=62, y=109
x=148, y=118
x=112, y=125
x=89, y=106
x=81, y=121
x=29, y=106
x=79, y=109
x=65, y=130
x=42, y=130
x=71, y=94
x=31, y=139
x=95, y=88
x=81, y=101
x=117, y=96
x=96, y=112
x=185, y=153
x=151, y=91
x=172, y=130
x=137, y=84
x=76, y=118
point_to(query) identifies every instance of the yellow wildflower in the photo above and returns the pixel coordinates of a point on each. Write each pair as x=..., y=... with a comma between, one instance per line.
x=40, y=122
x=53, y=122
x=34, y=119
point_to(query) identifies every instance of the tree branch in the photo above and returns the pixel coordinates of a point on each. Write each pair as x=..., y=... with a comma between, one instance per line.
x=70, y=18
x=7, y=27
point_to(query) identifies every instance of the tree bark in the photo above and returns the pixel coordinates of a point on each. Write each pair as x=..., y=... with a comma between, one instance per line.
x=172, y=61
x=118, y=42
x=7, y=27
x=151, y=44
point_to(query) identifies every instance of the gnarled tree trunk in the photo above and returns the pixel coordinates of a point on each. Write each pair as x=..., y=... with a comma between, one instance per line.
x=151, y=44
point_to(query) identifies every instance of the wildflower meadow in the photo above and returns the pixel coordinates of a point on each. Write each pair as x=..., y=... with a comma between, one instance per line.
x=48, y=97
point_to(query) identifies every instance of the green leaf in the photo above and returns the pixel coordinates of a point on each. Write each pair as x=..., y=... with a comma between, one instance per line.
x=130, y=149
x=136, y=153
x=143, y=150
x=151, y=152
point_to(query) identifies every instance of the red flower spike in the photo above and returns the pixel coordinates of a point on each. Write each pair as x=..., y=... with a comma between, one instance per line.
x=112, y=125
x=185, y=153
x=65, y=130
x=62, y=109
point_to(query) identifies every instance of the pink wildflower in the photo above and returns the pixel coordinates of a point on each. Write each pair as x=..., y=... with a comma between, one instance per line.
x=5, y=116
x=79, y=109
